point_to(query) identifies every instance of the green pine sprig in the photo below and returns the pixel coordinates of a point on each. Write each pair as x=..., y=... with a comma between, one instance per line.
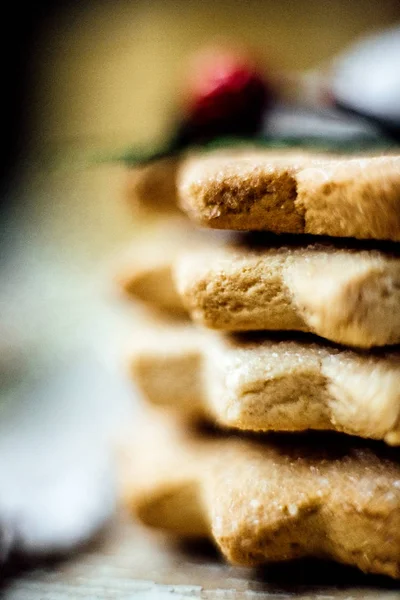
x=135, y=156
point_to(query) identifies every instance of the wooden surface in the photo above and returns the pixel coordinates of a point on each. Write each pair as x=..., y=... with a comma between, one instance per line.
x=130, y=562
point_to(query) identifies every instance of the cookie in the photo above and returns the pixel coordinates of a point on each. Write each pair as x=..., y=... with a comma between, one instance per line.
x=270, y=500
x=151, y=188
x=144, y=271
x=257, y=383
x=340, y=197
x=345, y=295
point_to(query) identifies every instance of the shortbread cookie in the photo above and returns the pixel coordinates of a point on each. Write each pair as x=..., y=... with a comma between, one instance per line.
x=347, y=296
x=272, y=500
x=144, y=271
x=151, y=188
x=345, y=197
x=256, y=383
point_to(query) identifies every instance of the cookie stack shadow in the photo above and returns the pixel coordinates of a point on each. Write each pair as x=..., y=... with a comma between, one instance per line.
x=268, y=357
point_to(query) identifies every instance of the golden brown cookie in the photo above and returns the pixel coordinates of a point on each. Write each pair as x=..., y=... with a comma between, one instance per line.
x=144, y=270
x=151, y=188
x=257, y=383
x=270, y=500
x=345, y=295
x=345, y=197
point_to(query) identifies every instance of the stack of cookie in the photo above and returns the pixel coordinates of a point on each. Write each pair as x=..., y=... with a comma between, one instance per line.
x=289, y=353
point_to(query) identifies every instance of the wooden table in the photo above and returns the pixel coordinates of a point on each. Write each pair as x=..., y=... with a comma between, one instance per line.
x=130, y=562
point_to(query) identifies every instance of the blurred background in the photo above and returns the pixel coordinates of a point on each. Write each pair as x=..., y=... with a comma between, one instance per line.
x=82, y=79
x=103, y=74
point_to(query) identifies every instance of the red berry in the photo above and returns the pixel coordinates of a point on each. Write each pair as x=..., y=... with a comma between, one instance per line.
x=226, y=91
